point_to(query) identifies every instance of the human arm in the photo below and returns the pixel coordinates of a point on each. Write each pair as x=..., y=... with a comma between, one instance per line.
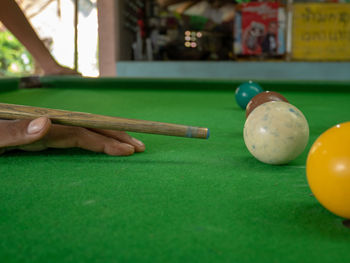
x=14, y=20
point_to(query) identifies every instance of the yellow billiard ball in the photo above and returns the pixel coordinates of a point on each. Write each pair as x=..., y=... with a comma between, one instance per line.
x=328, y=169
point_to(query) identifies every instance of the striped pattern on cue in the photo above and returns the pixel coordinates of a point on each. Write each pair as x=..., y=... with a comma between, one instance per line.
x=88, y=120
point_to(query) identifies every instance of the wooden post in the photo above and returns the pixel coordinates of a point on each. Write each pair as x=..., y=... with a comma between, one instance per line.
x=107, y=37
x=76, y=18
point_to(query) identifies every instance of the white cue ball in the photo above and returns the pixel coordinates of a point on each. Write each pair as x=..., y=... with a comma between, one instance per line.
x=276, y=132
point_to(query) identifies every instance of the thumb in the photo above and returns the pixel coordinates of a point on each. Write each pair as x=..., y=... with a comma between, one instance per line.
x=20, y=132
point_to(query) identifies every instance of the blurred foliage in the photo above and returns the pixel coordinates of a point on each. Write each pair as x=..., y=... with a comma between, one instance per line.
x=15, y=60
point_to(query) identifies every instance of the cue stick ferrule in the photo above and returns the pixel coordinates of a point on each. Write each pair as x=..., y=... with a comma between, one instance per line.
x=94, y=121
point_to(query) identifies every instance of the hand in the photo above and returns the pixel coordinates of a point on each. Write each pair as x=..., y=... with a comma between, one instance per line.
x=40, y=134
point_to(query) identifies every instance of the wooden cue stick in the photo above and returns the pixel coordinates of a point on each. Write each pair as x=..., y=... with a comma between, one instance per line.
x=88, y=120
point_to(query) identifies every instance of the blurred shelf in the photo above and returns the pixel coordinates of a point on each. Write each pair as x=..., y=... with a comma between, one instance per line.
x=328, y=71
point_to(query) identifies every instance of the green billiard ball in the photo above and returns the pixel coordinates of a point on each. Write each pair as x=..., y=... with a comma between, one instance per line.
x=246, y=91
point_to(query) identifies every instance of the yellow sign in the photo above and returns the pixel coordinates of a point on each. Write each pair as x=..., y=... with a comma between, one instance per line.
x=321, y=32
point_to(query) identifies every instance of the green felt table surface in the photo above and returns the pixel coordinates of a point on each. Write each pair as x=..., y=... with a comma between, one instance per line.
x=182, y=200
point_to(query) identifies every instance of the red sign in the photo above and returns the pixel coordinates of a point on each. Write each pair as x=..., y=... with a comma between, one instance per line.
x=259, y=28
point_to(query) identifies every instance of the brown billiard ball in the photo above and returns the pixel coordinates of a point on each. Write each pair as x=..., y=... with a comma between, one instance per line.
x=263, y=97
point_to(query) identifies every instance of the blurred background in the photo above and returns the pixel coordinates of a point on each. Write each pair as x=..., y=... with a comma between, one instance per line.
x=117, y=37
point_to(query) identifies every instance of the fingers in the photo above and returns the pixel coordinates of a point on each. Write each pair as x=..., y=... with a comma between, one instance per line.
x=40, y=134
x=21, y=132
x=123, y=137
x=68, y=137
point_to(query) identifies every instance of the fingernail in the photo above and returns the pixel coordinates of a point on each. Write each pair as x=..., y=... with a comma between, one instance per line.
x=36, y=125
x=130, y=148
x=139, y=143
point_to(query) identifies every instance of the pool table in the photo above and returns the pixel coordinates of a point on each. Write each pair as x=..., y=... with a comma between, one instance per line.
x=182, y=200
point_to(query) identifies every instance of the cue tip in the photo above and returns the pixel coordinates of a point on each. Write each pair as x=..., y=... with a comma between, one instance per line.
x=197, y=132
